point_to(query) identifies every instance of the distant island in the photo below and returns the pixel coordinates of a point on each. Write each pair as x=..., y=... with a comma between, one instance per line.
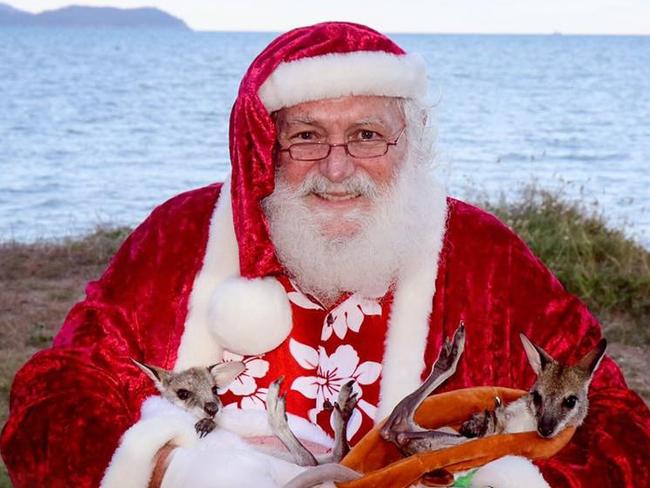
x=80, y=16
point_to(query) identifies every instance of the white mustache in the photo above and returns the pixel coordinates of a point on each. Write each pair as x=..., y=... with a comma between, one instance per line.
x=358, y=184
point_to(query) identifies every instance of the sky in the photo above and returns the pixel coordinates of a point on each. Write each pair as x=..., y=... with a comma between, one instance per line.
x=425, y=16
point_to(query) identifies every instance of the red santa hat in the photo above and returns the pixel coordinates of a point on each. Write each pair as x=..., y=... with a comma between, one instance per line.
x=327, y=60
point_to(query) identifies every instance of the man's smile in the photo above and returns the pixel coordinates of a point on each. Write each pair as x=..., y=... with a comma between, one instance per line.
x=336, y=196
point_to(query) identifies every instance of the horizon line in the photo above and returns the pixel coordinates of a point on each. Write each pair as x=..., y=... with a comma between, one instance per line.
x=387, y=31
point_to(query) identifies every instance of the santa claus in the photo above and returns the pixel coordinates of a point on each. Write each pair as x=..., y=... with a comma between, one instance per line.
x=330, y=254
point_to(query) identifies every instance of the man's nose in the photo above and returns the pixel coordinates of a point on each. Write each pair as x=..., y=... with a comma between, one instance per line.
x=338, y=166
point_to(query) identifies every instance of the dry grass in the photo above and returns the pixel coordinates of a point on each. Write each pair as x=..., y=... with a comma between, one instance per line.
x=39, y=284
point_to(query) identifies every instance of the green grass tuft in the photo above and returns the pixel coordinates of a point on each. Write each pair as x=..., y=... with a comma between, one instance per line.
x=606, y=269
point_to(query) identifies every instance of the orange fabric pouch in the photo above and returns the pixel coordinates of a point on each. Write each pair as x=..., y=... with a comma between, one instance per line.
x=383, y=464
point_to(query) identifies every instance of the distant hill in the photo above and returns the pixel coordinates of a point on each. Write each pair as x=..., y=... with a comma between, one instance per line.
x=79, y=16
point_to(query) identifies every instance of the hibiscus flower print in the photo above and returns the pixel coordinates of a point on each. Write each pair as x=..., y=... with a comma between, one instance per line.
x=245, y=385
x=348, y=315
x=331, y=373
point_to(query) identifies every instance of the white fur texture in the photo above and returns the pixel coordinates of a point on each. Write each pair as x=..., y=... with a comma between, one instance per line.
x=509, y=472
x=343, y=74
x=408, y=326
x=251, y=423
x=250, y=317
x=222, y=458
x=198, y=346
x=161, y=422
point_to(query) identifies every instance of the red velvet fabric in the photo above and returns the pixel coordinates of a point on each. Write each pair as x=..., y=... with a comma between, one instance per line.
x=253, y=136
x=71, y=403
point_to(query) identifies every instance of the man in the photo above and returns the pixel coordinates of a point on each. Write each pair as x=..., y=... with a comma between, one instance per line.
x=329, y=255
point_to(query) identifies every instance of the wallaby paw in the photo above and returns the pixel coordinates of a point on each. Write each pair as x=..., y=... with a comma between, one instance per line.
x=276, y=404
x=204, y=427
x=451, y=350
x=347, y=401
x=274, y=389
x=477, y=425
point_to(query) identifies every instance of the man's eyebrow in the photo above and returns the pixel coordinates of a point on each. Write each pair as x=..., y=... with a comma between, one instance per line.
x=299, y=119
x=371, y=121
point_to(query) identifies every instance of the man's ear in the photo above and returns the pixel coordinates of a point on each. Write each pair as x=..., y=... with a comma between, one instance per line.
x=538, y=358
x=157, y=375
x=590, y=361
x=225, y=373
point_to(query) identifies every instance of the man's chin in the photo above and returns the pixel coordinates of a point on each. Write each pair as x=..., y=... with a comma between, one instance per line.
x=340, y=229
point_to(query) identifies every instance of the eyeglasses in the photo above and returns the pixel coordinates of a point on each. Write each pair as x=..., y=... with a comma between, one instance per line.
x=313, y=151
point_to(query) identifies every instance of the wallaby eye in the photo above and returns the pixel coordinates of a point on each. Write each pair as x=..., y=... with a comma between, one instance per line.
x=215, y=390
x=570, y=402
x=537, y=399
x=183, y=394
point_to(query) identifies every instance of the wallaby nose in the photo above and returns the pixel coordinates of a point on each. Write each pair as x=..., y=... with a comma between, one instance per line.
x=211, y=408
x=546, y=427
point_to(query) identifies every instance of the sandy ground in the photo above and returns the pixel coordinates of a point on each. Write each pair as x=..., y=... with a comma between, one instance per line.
x=635, y=363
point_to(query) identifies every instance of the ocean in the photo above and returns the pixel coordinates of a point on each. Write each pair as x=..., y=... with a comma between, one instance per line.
x=98, y=127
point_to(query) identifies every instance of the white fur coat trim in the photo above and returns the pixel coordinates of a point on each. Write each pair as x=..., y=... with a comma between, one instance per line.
x=198, y=347
x=342, y=74
x=227, y=311
x=509, y=472
x=161, y=422
x=408, y=326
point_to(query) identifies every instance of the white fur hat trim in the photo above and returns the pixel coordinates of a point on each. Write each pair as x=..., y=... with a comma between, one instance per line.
x=250, y=317
x=344, y=74
x=509, y=472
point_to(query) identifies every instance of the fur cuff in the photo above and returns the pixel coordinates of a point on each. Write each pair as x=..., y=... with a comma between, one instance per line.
x=161, y=422
x=341, y=74
x=509, y=472
x=250, y=317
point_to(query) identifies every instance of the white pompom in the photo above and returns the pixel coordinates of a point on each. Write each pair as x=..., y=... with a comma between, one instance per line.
x=250, y=317
x=509, y=472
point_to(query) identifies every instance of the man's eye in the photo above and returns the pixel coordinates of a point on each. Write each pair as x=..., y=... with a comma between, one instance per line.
x=368, y=135
x=304, y=136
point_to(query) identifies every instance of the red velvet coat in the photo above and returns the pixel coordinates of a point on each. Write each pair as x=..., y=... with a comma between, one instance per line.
x=71, y=403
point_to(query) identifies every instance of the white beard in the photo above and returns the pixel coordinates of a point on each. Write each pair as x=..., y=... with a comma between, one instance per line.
x=395, y=231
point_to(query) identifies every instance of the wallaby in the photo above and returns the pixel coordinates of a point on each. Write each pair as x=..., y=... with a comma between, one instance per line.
x=558, y=398
x=195, y=389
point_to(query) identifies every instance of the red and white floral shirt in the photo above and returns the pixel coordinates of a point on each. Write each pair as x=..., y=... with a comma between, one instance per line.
x=326, y=349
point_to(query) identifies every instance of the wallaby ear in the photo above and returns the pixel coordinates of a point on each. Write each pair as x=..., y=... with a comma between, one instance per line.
x=224, y=373
x=157, y=375
x=590, y=361
x=538, y=358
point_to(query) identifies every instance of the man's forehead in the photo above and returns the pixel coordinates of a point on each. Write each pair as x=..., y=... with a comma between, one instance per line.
x=355, y=110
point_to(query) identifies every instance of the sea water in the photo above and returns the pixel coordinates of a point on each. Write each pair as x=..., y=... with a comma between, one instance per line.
x=98, y=127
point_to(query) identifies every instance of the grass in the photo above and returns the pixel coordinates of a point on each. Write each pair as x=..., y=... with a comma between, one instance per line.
x=39, y=284
x=610, y=272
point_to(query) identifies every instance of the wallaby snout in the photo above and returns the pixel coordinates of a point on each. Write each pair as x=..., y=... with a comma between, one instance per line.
x=546, y=426
x=211, y=408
